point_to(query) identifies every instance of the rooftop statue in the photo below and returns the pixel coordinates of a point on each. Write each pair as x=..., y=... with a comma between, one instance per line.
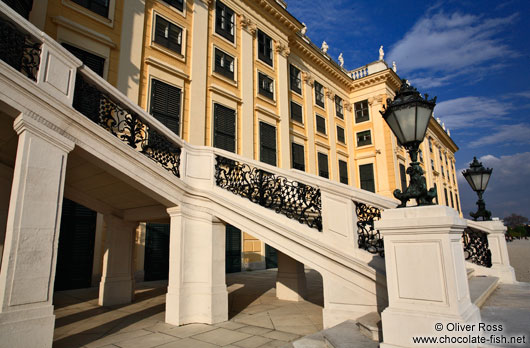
x=324, y=47
x=381, y=53
x=304, y=29
x=341, y=60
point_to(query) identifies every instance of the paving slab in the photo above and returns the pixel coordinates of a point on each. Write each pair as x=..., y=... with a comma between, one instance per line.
x=252, y=342
x=188, y=343
x=221, y=337
x=254, y=330
x=147, y=341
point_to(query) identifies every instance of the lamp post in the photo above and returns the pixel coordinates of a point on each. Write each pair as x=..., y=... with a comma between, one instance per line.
x=408, y=116
x=478, y=177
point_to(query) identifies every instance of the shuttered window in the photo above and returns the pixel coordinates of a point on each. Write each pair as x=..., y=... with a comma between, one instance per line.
x=295, y=79
x=178, y=4
x=101, y=7
x=366, y=175
x=446, y=199
x=296, y=112
x=90, y=60
x=343, y=172
x=297, y=156
x=224, y=21
x=267, y=143
x=319, y=94
x=224, y=64
x=165, y=104
x=452, y=200
x=264, y=47
x=364, y=138
x=321, y=124
x=361, y=111
x=457, y=205
x=403, y=177
x=339, y=107
x=224, y=133
x=323, y=165
x=22, y=7
x=168, y=35
x=266, y=86
x=340, y=135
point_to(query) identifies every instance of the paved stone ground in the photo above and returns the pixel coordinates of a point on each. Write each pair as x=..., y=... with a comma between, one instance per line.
x=257, y=317
x=519, y=251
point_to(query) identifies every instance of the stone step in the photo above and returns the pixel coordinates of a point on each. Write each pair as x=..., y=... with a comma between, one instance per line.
x=344, y=335
x=370, y=326
x=480, y=288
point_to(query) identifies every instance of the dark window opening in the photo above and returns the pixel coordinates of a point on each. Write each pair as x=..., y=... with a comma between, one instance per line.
x=296, y=112
x=364, y=138
x=294, y=79
x=101, y=7
x=340, y=135
x=339, y=107
x=403, y=177
x=361, y=111
x=366, y=175
x=267, y=140
x=224, y=64
x=224, y=21
x=264, y=47
x=321, y=124
x=297, y=156
x=224, y=128
x=92, y=61
x=168, y=35
x=323, y=165
x=343, y=172
x=319, y=94
x=165, y=105
x=266, y=86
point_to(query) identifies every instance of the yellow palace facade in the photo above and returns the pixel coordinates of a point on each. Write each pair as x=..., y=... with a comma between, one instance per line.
x=242, y=75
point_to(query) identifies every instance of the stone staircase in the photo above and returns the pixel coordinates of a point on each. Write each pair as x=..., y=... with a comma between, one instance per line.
x=367, y=332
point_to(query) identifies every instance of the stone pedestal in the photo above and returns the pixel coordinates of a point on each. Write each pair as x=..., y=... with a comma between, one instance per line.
x=32, y=234
x=426, y=275
x=197, y=286
x=290, y=281
x=117, y=281
x=499, y=252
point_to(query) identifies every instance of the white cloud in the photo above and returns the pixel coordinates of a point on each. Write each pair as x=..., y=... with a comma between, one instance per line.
x=454, y=44
x=506, y=134
x=508, y=189
x=471, y=111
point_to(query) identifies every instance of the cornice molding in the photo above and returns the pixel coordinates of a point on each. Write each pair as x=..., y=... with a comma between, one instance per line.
x=388, y=76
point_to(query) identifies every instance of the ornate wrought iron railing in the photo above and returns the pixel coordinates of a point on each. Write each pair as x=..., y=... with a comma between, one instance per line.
x=125, y=124
x=476, y=247
x=368, y=238
x=19, y=50
x=291, y=198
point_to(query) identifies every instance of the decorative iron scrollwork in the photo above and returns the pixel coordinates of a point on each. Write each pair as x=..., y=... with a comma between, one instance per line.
x=19, y=50
x=369, y=238
x=291, y=198
x=126, y=125
x=476, y=247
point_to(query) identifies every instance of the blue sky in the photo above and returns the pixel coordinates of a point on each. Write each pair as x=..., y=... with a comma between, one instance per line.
x=473, y=55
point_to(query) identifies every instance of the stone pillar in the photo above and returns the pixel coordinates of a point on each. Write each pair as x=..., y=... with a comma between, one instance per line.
x=32, y=234
x=199, y=54
x=426, y=275
x=117, y=281
x=247, y=88
x=197, y=287
x=499, y=252
x=283, y=101
x=290, y=281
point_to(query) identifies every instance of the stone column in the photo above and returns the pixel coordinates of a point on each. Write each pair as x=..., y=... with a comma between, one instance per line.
x=426, y=274
x=290, y=281
x=32, y=234
x=283, y=101
x=311, y=157
x=117, y=281
x=199, y=54
x=247, y=87
x=499, y=252
x=197, y=286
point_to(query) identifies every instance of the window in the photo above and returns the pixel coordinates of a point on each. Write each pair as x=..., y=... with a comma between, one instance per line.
x=224, y=21
x=168, y=35
x=443, y=173
x=432, y=164
x=440, y=153
x=297, y=156
x=296, y=112
x=361, y=111
x=339, y=107
x=452, y=201
x=101, y=7
x=267, y=143
x=92, y=61
x=224, y=128
x=436, y=189
x=340, y=135
x=403, y=177
x=178, y=4
x=294, y=79
x=319, y=94
x=323, y=165
x=266, y=86
x=445, y=194
x=430, y=145
x=343, y=172
x=224, y=64
x=364, y=138
x=264, y=47
x=165, y=104
x=366, y=175
x=421, y=156
x=457, y=205
x=321, y=124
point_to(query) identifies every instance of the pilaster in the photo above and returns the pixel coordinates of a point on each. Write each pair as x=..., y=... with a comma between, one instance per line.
x=283, y=100
x=247, y=87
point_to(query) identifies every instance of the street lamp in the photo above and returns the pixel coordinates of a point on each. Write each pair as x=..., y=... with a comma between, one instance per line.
x=478, y=177
x=408, y=116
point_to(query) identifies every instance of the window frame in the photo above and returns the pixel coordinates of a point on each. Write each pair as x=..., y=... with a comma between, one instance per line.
x=319, y=94
x=170, y=3
x=341, y=177
x=262, y=52
x=261, y=145
x=297, y=78
x=224, y=72
x=361, y=178
x=229, y=35
x=317, y=116
x=293, y=144
x=213, y=131
x=343, y=141
x=363, y=131
x=339, y=107
x=355, y=111
x=262, y=91
x=291, y=112
x=181, y=106
x=106, y=15
x=165, y=48
x=321, y=155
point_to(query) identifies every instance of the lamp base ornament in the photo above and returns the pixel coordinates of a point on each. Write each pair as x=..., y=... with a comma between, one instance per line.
x=481, y=212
